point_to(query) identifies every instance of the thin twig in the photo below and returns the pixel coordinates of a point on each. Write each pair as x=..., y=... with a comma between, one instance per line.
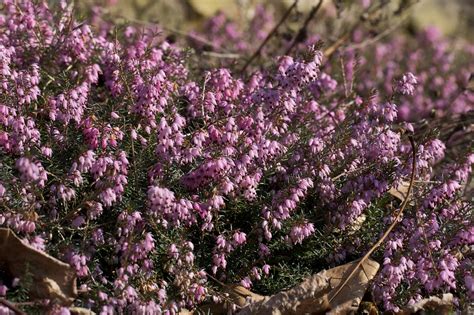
x=380, y=36
x=190, y=36
x=387, y=232
x=270, y=35
x=366, y=15
x=221, y=55
x=193, y=37
x=12, y=306
x=338, y=43
x=304, y=29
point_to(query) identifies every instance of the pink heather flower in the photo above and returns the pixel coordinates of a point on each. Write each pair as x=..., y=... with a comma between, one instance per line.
x=149, y=242
x=38, y=242
x=78, y=221
x=256, y=273
x=134, y=134
x=389, y=111
x=469, y=281
x=365, y=3
x=205, y=139
x=409, y=127
x=46, y=151
x=200, y=293
x=31, y=171
x=246, y=282
x=94, y=209
x=3, y=290
x=108, y=197
x=239, y=238
x=266, y=269
x=407, y=84
x=263, y=250
x=102, y=296
x=173, y=251
x=299, y=232
x=79, y=262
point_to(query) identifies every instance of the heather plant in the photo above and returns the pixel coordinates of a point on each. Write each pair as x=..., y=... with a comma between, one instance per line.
x=443, y=66
x=157, y=179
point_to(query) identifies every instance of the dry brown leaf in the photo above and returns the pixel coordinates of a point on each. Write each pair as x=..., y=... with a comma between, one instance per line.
x=80, y=311
x=351, y=295
x=400, y=192
x=433, y=304
x=243, y=296
x=52, y=278
x=368, y=308
x=236, y=294
x=309, y=297
x=356, y=225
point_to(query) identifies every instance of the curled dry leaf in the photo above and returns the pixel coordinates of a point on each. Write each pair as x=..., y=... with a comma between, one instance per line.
x=431, y=305
x=349, y=298
x=309, y=297
x=80, y=311
x=52, y=278
x=236, y=294
x=400, y=192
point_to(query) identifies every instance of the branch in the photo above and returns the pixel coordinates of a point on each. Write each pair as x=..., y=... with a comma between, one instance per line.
x=304, y=29
x=387, y=232
x=270, y=35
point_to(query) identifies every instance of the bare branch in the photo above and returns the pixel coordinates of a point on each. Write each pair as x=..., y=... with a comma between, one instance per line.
x=270, y=35
x=304, y=29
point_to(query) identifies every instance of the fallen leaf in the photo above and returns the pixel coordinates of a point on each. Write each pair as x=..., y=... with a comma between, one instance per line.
x=309, y=297
x=356, y=225
x=236, y=294
x=349, y=298
x=368, y=308
x=242, y=295
x=400, y=192
x=433, y=305
x=80, y=311
x=52, y=278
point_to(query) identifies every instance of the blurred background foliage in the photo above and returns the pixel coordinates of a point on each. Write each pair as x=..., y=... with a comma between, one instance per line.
x=451, y=17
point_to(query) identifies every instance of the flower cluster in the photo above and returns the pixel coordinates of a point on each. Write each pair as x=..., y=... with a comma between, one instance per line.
x=149, y=176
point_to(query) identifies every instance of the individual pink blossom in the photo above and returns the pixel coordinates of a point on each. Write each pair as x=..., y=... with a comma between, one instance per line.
x=407, y=84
